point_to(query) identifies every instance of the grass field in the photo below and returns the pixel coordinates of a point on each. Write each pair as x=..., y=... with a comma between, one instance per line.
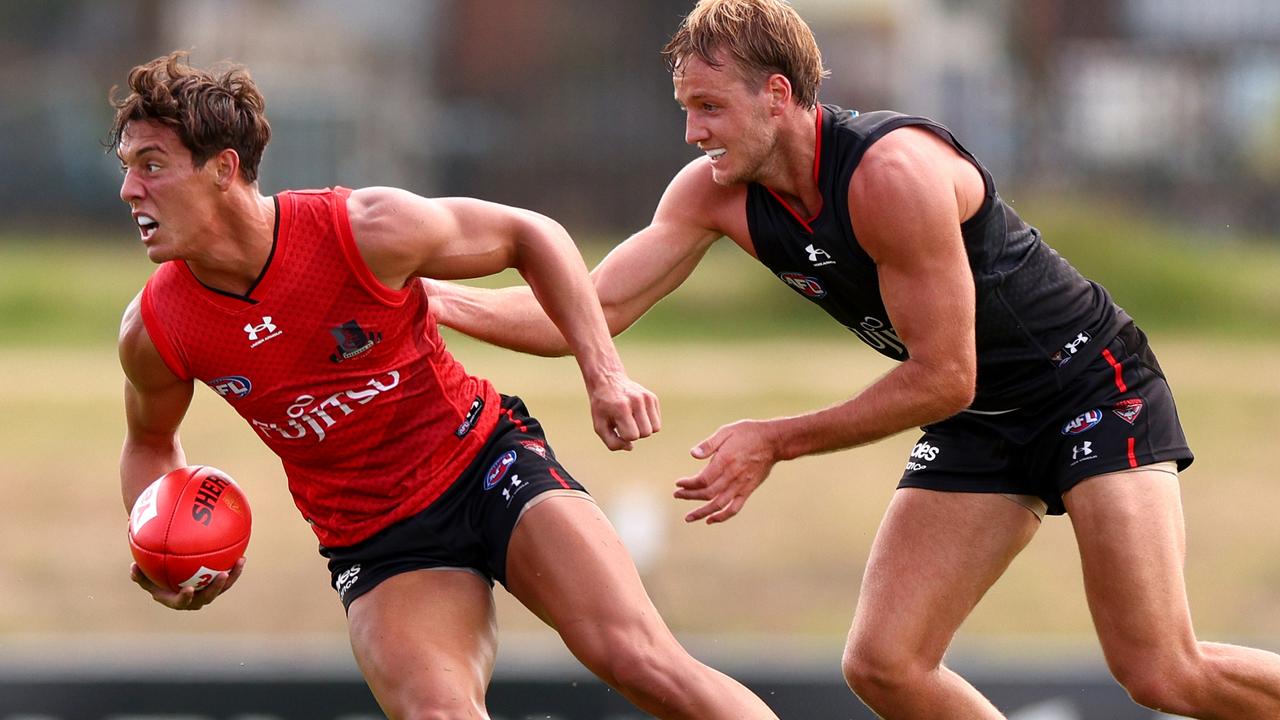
x=796, y=552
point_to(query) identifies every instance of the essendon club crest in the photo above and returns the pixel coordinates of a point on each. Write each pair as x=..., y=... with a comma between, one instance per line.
x=352, y=340
x=1128, y=409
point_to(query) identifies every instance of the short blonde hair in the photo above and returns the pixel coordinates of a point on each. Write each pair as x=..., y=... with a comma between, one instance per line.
x=764, y=36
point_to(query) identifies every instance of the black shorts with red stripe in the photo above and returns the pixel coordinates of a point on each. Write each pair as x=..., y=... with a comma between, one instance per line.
x=470, y=525
x=1117, y=414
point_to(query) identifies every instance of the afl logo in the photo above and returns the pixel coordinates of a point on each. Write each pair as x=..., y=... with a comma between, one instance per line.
x=498, y=469
x=803, y=284
x=1082, y=423
x=236, y=386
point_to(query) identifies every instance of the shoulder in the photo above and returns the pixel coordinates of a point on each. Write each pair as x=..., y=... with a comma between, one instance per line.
x=380, y=209
x=392, y=229
x=139, y=357
x=903, y=149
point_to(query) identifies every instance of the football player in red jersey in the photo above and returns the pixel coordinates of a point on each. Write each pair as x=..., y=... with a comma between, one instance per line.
x=423, y=484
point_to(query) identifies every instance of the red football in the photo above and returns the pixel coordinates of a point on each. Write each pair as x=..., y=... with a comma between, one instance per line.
x=188, y=526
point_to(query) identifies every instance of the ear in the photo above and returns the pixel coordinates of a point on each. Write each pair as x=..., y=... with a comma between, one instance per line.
x=226, y=167
x=778, y=88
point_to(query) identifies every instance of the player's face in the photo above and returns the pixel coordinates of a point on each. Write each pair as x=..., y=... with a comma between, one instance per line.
x=725, y=117
x=171, y=200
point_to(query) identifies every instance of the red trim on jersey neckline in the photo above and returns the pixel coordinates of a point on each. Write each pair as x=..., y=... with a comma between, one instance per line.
x=817, y=163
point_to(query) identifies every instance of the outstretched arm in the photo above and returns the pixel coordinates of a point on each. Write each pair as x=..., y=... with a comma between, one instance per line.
x=631, y=279
x=907, y=200
x=155, y=401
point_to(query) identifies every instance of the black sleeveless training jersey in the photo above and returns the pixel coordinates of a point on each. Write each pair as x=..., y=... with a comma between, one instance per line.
x=1035, y=312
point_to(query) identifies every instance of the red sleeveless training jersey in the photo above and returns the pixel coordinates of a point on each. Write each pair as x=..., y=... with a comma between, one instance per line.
x=345, y=379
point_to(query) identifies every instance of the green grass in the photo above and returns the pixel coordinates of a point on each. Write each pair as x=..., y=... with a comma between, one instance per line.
x=67, y=291
x=71, y=291
x=1169, y=278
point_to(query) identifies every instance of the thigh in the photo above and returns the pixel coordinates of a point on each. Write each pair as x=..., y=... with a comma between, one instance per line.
x=934, y=557
x=1129, y=528
x=426, y=639
x=568, y=566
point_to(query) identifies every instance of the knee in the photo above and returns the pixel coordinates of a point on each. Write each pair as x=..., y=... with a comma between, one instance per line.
x=877, y=667
x=1168, y=685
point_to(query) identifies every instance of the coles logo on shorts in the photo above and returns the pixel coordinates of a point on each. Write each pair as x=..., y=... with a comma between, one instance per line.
x=1083, y=423
x=498, y=469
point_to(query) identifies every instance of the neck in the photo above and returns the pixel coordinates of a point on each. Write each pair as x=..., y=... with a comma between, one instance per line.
x=791, y=172
x=237, y=243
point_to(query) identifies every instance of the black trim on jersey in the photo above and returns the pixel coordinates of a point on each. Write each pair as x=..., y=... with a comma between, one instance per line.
x=275, y=239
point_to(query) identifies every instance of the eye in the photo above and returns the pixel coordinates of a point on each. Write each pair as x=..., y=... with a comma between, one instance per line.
x=152, y=167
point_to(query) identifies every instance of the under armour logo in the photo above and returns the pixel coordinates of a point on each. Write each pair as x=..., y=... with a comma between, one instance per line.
x=266, y=327
x=815, y=253
x=1074, y=346
x=261, y=333
x=1082, y=450
x=510, y=491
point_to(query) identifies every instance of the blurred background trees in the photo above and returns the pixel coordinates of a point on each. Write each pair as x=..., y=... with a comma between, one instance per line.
x=1169, y=107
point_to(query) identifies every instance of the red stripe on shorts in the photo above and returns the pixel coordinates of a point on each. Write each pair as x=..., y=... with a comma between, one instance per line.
x=560, y=480
x=1133, y=459
x=1119, y=375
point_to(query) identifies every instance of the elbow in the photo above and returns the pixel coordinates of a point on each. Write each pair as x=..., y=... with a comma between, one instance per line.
x=964, y=388
x=955, y=388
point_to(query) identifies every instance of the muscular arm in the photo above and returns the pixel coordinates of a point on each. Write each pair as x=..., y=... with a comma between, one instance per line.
x=403, y=237
x=907, y=199
x=906, y=213
x=155, y=401
x=631, y=279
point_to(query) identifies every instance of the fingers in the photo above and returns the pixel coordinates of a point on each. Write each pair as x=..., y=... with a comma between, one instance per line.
x=632, y=416
x=722, y=500
x=717, y=510
x=187, y=598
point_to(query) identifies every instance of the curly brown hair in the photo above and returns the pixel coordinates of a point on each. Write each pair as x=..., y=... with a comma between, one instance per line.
x=209, y=111
x=764, y=36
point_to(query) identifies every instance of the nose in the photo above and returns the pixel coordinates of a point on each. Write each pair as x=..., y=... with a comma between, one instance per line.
x=694, y=131
x=130, y=188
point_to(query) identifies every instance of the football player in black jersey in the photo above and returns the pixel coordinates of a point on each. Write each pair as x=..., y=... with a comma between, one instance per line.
x=1036, y=393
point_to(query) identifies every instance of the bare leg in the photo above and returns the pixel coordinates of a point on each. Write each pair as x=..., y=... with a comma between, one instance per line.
x=1132, y=542
x=425, y=642
x=934, y=557
x=568, y=566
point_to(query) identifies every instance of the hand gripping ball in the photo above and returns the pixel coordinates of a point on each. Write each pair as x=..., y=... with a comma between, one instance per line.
x=188, y=526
